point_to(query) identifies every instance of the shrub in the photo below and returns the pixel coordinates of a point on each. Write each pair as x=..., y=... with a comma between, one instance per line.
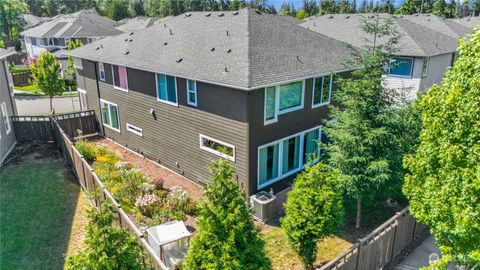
x=147, y=188
x=158, y=183
x=87, y=150
x=178, y=200
x=147, y=204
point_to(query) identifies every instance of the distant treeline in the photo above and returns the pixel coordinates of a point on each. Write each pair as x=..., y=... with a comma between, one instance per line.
x=120, y=9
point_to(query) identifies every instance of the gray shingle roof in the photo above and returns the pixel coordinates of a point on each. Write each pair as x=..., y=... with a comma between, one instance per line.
x=135, y=24
x=85, y=23
x=32, y=20
x=468, y=22
x=242, y=49
x=415, y=40
x=438, y=24
x=5, y=53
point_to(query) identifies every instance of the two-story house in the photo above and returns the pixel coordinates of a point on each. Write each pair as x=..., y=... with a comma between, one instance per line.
x=423, y=55
x=244, y=85
x=55, y=33
x=7, y=107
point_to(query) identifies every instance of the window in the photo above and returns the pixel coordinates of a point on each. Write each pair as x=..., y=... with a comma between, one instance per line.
x=287, y=156
x=426, y=60
x=119, y=74
x=135, y=130
x=282, y=99
x=77, y=63
x=401, y=66
x=101, y=71
x=5, y=118
x=110, y=115
x=50, y=42
x=82, y=97
x=167, y=89
x=34, y=41
x=192, y=92
x=322, y=90
x=217, y=147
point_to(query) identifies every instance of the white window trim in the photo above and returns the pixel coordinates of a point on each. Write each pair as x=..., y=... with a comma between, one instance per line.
x=7, y=124
x=81, y=91
x=411, y=68
x=277, y=103
x=191, y=103
x=302, y=166
x=166, y=83
x=101, y=68
x=113, y=79
x=109, y=116
x=220, y=154
x=77, y=63
x=329, y=93
x=135, y=130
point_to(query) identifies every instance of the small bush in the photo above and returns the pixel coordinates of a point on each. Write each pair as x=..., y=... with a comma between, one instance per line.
x=147, y=204
x=158, y=183
x=178, y=200
x=87, y=150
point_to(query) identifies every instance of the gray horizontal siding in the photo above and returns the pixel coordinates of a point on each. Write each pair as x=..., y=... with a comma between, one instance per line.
x=174, y=135
x=7, y=141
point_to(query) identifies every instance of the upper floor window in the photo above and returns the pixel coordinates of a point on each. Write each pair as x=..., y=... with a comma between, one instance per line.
x=120, y=80
x=101, y=71
x=322, y=90
x=192, y=93
x=34, y=41
x=167, y=89
x=401, y=66
x=50, y=42
x=77, y=63
x=282, y=99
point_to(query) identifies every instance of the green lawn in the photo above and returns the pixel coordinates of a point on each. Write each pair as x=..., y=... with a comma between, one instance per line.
x=29, y=88
x=41, y=212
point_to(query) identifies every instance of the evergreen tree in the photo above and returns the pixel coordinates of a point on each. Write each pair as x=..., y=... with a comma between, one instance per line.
x=476, y=7
x=45, y=76
x=410, y=7
x=443, y=183
x=136, y=8
x=363, y=7
x=343, y=6
x=117, y=10
x=302, y=14
x=271, y=9
x=439, y=8
x=287, y=8
x=227, y=237
x=361, y=141
x=10, y=22
x=328, y=7
x=313, y=210
x=451, y=10
x=310, y=7
x=108, y=246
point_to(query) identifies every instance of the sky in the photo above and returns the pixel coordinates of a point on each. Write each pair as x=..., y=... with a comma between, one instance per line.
x=298, y=3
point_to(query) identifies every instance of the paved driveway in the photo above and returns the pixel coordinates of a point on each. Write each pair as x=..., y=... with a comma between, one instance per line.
x=41, y=105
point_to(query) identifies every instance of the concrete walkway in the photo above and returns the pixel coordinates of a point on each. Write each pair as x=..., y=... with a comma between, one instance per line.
x=420, y=256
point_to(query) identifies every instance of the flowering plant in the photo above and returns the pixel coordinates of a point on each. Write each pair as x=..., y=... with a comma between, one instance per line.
x=158, y=183
x=146, y=204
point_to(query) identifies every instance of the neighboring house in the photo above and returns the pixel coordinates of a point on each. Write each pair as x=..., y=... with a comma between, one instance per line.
x=55, y=33
x=469, y=22
x=32, y=20
x=244, y=85
x=424, y=54
x=7, y=107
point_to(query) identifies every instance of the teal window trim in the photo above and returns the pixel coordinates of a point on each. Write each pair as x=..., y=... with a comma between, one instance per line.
x=167, y=97
x=279, y=158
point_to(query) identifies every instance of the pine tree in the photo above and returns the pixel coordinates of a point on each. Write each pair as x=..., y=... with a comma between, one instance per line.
x=227, y=237
x=310, y=7
x=313, y=210
x=361, y=142
x=443, y=183
x=439, y=8
x=343, y=6
x=328, y=7
x=410, y=7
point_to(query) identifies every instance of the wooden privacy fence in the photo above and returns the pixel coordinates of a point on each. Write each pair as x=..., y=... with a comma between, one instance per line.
x=21, y=78
x=32, y=128
x=379, y=247
x=91, y=183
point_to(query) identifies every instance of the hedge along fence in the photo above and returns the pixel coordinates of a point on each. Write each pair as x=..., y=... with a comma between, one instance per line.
x=381, y=246
x=91, y=183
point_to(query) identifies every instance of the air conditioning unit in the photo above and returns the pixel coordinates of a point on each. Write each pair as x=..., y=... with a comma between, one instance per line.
x=263, y=204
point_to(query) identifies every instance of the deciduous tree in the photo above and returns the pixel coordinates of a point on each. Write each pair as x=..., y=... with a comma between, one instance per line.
x=72, y=45
x=45, y=76
x=443, y=183
x=313, y=210
x=10, y=21
x=227, y=237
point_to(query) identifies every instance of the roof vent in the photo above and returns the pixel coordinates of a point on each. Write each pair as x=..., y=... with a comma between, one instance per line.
x=416, y=15
x=258, y=12
x=226, y=70
x=171, y=33
x=212, y=49
x=131, y=33
x=229, y=51
x=130, y=40
x=165, y=25
x=98, y=48
x=428, y=14
x=126, y=52
x=347, y=17
x=126, y=39
x=220, y=15
x=308, y=28
x=165, y=44
x=227, y=33
x=188, y=14
x=179, y=60
x=330, y=17
x=371, y=17
x=235, y=13
x=314, y=24
x=208, y=14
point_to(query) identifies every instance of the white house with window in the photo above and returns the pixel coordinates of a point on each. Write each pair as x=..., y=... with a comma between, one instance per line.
x=424, y=53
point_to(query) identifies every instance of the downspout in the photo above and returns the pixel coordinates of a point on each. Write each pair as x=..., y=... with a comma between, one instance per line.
x=4, y=64
x=98, y=95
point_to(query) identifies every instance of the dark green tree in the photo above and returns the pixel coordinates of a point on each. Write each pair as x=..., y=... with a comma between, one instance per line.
x=410, y=7
x=302, y=14
x=476, y=7
x=443, y=183
x=328, y=7
x=117, y=10
x=343, y=6
x=271, y=9
x=227, y=237
x=136, y=8
x=108, y=246
x=310, y=7
x=439, y=8
x=287, y=8
x=313, y=211
x=361, y=141
x=10, y=21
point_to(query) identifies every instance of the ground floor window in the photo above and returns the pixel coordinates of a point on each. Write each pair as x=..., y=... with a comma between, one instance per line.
x=217, y=147
x=287, y=156
x=110, y=115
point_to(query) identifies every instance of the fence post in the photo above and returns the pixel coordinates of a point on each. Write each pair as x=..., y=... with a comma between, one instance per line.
x=360, y=244
x=395, y=235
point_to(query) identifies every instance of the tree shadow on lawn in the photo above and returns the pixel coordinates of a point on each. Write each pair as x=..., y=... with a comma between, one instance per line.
x=38, y=200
